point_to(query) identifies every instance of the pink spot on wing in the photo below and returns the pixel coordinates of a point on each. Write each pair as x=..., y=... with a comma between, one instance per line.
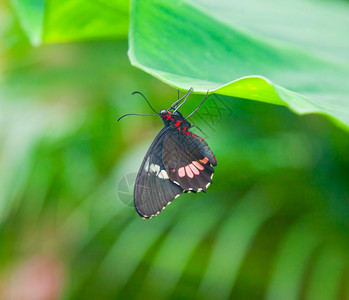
x=199, y=166
x=189, y=172
x=194, y=169
x=181, y=172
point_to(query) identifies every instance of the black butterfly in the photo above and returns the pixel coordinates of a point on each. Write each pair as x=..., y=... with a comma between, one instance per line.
x=177, y=161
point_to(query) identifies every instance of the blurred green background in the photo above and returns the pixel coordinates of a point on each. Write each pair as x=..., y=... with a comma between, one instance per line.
x=273, y=225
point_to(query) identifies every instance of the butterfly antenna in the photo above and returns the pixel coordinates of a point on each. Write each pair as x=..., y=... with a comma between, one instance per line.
x=173, y=106
x=137, y=115
x=202, y=102
x=136, y=92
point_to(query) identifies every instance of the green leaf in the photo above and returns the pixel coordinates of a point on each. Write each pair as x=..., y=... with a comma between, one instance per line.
x=291, y=54
x=31, y=18
x=127, y=259
x=326, y=279
x=184, y=237
x=232, y=244
x=61, y=21
x=295, y=253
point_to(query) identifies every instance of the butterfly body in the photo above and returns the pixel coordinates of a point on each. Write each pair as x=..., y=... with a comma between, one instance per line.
x=178, y=161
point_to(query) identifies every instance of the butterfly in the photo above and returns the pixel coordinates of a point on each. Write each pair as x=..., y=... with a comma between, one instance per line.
x=178, y=161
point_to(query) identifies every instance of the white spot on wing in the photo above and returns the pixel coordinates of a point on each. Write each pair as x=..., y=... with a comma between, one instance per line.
x=146, y=165
x=163, y=175
x=154, y=169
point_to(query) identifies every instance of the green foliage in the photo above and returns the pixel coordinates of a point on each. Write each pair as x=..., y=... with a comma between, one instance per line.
x=278, y=56
x=273, y=225
x=72, y=20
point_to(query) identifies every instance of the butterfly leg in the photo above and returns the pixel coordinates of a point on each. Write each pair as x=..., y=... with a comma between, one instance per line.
x=193, y=125
x=202, y=102
x=185, y=97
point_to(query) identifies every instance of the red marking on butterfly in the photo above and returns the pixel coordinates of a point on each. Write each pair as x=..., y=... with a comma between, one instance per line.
x=204, y=160
x=178, y=123
x=189, y=172
x=181, y=172
x=187, y=133
x=198, y=165
x=194, y=169
x=194, y=135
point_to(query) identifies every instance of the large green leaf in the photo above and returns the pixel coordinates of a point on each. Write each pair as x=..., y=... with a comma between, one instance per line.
x=287, y=53
x=71, y=20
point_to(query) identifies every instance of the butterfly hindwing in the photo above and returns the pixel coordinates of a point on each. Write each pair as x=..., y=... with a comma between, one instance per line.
x=153, y=189
x=188, y=161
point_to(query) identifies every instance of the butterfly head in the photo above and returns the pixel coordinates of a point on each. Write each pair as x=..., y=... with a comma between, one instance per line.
x=164, y=112
x=166, y=116
x=169, y=117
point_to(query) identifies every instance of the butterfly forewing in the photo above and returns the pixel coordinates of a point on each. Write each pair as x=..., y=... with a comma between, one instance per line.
x=187, y=162
x=153, y=188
